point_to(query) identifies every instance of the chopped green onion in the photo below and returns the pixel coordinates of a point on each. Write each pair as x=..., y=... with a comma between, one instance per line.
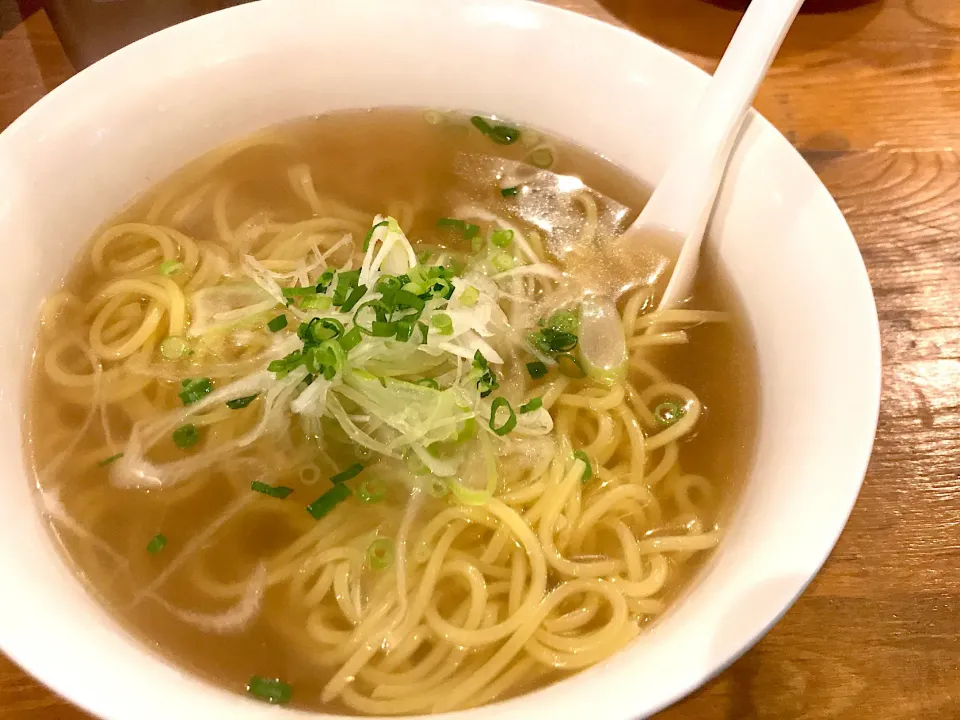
x=404, y=329
x=349, y=340
x=346, y=282
x=542, y=158
x=487, y=381
x=319, y=330
x=510, y=191
x=186, y=436
x=429, y=382
x=503, y=261
x=284, y=365
x=467, y=230
x=424, y=329
x=372, y=490
x=443, y=323
x=170, y=267
x=556, y=340
x=112, y=458
x=536, y=369
x=242, y=402
x=380, y=554
x=469, y=297
x=194, y=389
x=278, y=323
x=276, y=491
x=588, y=469
x=668, y=412
x=509, y=424
x=533, y=404
x=349, y=473
x=564, y=321
x=316, y=302
x=295, y=292
x=404, y=299
x=570, y=366
x=423, y=257
x=272, y=691
x=327, y=358
x=326, y=277
x=502, y=238
x=328, y=501
x=366, y=240
x=354, y=297
x=476, y=244
x=442, y=288
x=379, y=328
x=157, y=543
x=368, y=313
x=173, y=348
x=500, y=134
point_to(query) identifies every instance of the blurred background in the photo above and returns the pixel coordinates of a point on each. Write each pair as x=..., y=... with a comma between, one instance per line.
x=90, y=29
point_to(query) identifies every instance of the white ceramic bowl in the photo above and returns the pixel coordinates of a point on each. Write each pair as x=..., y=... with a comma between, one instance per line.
x=120, y=126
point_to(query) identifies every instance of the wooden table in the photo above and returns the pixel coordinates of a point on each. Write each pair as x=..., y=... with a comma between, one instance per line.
x=872, y=99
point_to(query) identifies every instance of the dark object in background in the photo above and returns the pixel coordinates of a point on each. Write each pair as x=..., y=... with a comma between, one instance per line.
x=810, y=6
x=90, y=29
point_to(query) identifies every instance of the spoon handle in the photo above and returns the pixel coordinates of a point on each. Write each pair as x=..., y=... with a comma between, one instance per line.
x=685, y=196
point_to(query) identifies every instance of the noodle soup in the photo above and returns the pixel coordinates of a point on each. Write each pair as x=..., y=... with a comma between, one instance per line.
x=312, y=418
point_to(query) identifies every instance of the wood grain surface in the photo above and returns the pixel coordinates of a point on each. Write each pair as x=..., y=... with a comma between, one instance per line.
x=871, y=97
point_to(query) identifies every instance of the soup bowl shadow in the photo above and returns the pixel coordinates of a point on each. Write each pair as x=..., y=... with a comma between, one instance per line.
x=127, y=122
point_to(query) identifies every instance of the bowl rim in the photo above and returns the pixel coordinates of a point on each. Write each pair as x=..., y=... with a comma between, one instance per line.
x=100, y=71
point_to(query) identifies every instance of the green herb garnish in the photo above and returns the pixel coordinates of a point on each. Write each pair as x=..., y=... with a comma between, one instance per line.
x=564, y=321
x=157, y=543
x=296, y=292
x=349, y=473
x=536, y=369
x=503, y=261
x=372, y=490
x=442, y=323
x=170, y=267
x=350, y=339
x=487, y=381
x=272, y=691
x=194, y=389
x=353, y=298
x=380, y=554
x=502, y=238
x=668, y=412
x=278, y=323
x=470, y=296
x=316, y=302
x=510, y=191
x=240, y=403
x=500, y=134
x=346, y=282
x=369, y=236
x=588, y=469
x=275, y=491
x=509, y=424
x=112, y=458
x=186, y=436
x=328, y=501
x=531, y=405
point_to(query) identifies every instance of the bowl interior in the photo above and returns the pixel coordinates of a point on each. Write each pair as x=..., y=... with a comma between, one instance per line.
x=122, y=125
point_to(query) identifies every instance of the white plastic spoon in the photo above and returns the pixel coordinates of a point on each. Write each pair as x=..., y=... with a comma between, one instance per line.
x=682, y=201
